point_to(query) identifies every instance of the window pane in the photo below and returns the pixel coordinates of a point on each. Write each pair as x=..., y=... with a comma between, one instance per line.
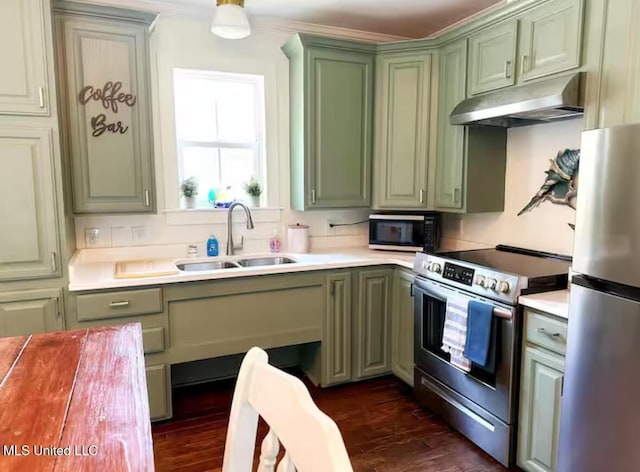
x=237, y=166
x=201, y=163
x=195, y=109
x=237, y=112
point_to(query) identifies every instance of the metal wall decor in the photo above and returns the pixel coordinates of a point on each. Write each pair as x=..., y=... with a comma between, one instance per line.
x=560, y=186
x=110, y=97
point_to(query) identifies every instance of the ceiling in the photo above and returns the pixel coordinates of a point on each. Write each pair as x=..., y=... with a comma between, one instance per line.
x=401, y=18
x=409, y=18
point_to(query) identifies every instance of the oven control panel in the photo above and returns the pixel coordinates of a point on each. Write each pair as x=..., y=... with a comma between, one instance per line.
x=473, y=278
x=464, y=275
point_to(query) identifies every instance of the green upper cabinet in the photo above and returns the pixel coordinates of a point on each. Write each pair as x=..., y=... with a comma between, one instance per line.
x=470, y=161
x=106, y=114
x=331, y=121
x=551, y=38
x=23, y=81
x=401, y=148
x=492, y=58
x=29, y=237
x=450, y=147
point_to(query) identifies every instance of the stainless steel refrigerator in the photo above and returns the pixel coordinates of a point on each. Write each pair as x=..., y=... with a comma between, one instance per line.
x=600, y=416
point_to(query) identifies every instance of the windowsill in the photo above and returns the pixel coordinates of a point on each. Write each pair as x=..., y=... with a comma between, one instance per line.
x=194, y=216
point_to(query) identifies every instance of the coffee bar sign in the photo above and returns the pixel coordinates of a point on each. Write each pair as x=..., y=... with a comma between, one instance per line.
x=111, y=98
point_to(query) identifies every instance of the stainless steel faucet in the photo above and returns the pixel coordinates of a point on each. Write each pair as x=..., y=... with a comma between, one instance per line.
x=231, y=248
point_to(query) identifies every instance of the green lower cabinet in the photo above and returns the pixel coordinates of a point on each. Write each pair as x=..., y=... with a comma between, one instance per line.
x=30, y=312
x=337, y=330
x=159, y=391
x=540, y=398
x=372, y=323
x=402, y=326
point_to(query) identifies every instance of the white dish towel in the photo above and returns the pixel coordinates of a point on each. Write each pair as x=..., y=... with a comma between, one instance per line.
x=454, y=335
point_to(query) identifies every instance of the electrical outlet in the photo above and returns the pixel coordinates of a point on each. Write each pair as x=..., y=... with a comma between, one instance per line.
x=139, y=234
x=92, y=237
x=121, y=236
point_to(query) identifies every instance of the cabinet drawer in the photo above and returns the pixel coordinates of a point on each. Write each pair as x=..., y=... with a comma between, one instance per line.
x=153, y=340
x=116, y=304
x=546, y=331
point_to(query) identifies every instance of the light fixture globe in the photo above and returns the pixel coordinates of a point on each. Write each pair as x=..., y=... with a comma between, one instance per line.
x=230, y=20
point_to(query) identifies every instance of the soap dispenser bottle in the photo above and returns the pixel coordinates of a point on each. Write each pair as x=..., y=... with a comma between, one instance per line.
x=274, y=242
x=212, y=246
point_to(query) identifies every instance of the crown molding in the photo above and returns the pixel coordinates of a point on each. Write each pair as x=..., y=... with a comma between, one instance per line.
x=469, y=19
x=270, y=24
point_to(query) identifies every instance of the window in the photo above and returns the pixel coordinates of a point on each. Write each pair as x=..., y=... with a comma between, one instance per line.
x=219, y=131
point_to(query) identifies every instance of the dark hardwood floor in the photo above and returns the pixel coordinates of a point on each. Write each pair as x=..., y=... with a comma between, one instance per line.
x=384, y=429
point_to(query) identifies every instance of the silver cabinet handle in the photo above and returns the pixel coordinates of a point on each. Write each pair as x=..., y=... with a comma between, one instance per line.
x=41, y=96
x=313, y=196
x=507, y=69
x=147, y=198
x=332, y=288
x=421, y=196
x=119, y=304
x=523, y=61
x=456, y=195
x=554, y=336
x=54, y=262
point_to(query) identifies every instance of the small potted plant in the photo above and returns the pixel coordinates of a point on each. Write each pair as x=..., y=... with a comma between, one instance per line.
x=189, y=190
x=253, y=189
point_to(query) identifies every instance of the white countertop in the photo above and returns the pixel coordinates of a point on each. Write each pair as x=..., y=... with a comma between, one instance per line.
x=95, y=269
x=556, y=303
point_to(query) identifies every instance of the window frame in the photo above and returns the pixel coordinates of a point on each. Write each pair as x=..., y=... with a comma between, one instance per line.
x=259, y=146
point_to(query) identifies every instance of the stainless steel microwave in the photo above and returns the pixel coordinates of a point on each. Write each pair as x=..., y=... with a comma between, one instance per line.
x=415, y=232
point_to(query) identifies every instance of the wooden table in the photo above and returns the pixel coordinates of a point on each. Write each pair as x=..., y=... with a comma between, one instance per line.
x=75, y=400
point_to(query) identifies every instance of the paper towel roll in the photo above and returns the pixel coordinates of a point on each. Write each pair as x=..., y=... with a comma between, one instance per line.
x=298, y=238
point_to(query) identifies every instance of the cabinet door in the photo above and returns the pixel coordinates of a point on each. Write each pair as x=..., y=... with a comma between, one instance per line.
x=108, y=140
x=551, y=39
x=159, y=391
x=23, y=35
x=372, y=332
x=402, y=327
x=29, y=235
x=492, y=58
x=402, y=125
x=450, y=158
x=30, y=312
x=337, y=336
x=540, y=399
x=340, y=114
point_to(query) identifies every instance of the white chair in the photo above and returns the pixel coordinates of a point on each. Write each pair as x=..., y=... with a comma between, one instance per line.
x=311, y=439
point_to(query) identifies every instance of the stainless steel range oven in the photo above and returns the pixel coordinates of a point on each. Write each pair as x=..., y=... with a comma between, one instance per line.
x=482, y=399
x=481, y=403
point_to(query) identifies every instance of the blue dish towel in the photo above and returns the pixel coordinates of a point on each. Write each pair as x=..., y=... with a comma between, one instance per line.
x=479, y=323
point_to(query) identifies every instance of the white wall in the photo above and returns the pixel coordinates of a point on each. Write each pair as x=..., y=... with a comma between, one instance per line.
x=187, y=43
x=544, y=228
x=180, y=42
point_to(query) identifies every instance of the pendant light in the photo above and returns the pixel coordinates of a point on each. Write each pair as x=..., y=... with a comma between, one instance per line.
x=230, y=20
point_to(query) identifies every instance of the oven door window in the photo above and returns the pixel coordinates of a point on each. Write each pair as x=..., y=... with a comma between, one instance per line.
x=433, y=317
x=396, y=232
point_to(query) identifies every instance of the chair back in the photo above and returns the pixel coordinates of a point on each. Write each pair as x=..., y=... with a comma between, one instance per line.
x=311, y=439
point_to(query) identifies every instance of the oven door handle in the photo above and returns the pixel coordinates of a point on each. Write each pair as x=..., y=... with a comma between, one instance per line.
x=434, y=290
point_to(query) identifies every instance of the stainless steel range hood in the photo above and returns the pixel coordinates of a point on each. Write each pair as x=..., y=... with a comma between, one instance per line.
x=539, y=102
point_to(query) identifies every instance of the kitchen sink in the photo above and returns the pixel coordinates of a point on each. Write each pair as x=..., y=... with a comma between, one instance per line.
x=208, y=265
x=265, y=261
